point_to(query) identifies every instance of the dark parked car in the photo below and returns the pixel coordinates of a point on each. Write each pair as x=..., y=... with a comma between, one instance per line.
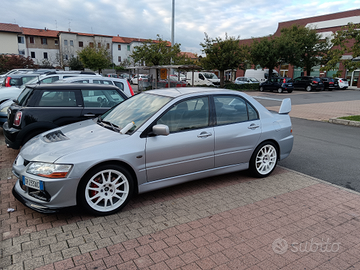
x=330, y=83
x=280, y=84
x=46, y=106
x=18, y=79
x=308, y=83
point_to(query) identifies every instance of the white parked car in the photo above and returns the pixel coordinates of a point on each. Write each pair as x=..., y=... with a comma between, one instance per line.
x=139, y=77
x=122, y=84
x=244, y=80
x=343, y=83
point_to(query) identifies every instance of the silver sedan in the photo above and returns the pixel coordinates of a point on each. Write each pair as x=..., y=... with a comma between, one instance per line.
x=153, y=140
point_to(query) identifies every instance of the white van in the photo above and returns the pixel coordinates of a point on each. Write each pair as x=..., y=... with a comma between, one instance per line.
x=260, y=74
x=202, y=78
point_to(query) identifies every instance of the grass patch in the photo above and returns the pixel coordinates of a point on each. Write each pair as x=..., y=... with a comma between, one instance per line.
x=351, y=117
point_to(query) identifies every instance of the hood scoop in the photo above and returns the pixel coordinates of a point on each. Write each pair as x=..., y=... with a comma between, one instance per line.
x=55, y=136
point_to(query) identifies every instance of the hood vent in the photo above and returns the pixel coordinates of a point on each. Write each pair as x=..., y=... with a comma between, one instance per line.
x=55, y=136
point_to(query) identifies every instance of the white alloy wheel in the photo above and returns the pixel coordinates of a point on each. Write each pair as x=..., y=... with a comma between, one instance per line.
x=264, y=159
x=280, y=90
x=106, y=190
x=308, y=88
x=261, y=89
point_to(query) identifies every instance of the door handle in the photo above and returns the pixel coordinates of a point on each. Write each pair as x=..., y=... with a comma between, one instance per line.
x=253, y=126
x=89, y=115
x=204, y=135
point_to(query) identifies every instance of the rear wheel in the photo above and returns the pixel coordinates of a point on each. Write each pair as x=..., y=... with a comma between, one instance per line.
x=105, y=190
x=290, y=91
x=263, y=160
x=261, y=89
x=279, y=90
x=308, y=88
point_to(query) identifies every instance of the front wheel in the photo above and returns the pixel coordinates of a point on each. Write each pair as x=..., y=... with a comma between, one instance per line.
x=261, y=89
x=263, y=160
x=308, y=88
x=279, y=90
x=105, y=190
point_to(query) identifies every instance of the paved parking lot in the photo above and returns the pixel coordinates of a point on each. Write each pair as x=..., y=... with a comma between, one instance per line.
x=286, y=221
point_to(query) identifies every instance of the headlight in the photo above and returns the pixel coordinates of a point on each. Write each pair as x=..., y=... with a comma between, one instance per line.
x=49, y=170
x=4, y=109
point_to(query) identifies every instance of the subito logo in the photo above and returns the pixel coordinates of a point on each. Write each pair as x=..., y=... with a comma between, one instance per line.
x=280, y=246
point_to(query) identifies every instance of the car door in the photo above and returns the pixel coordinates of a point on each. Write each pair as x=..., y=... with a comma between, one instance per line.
x=237, y=130
x=97, y=102
x=59, y=106
x=298, y=83
x=189, y=148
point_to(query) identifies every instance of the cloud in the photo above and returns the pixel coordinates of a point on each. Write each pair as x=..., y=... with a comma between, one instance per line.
x=146, y=19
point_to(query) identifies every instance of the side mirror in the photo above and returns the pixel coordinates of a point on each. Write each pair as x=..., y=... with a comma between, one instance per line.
x=161, y=130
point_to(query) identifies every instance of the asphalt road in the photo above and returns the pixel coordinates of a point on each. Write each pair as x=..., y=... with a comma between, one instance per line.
x=326, y=151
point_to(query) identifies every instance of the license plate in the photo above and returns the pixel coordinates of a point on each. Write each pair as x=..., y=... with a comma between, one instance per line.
x=36, y=184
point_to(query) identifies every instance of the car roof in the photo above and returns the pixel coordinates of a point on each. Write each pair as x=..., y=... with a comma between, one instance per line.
x=176, y=92
x=74, y=86
x=21, y=75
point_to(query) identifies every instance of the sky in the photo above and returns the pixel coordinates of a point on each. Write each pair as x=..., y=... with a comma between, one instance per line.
x=147, y=19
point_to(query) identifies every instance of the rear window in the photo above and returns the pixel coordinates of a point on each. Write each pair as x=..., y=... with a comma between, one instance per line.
x=24, y=96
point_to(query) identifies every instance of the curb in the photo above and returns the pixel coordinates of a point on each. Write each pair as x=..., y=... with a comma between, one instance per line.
x=344, y=122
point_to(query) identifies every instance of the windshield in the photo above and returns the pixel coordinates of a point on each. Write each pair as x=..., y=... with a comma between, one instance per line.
x=137, y=109
x=210, y=76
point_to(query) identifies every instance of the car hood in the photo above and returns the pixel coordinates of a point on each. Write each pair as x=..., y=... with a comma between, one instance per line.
x=9, y=92
x=56, y=143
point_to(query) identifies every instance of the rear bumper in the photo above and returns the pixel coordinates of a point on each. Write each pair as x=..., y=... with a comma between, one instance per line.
x=11, y=135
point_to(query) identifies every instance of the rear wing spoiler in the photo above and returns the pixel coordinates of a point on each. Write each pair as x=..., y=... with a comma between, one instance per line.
x=285, y=106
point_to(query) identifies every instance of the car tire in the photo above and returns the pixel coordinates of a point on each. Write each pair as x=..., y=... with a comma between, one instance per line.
x=308, y=88
x=264, y=160
x=261, y=89
x=105, y=190
x=279, y=90
x=290, y=91
x=31, y=135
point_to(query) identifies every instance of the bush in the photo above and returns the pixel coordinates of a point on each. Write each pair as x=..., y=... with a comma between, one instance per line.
x=242, y=87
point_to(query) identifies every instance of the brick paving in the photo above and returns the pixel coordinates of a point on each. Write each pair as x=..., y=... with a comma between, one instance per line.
x=286, y=221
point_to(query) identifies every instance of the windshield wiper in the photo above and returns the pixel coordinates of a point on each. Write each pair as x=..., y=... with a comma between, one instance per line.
x=108, y=124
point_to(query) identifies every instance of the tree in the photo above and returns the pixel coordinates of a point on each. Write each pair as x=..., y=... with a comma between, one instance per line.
x=267, y=52
x=75, y=63
x=303, y=47
x=156, y=52
x=12, y=61
x=95, y=58
x=345, y=42
x=222, y=54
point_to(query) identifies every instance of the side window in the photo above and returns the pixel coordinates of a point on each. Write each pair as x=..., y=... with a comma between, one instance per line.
x=201, y=77
x=120, y=85
x=57, y=98
x=232, y=109
x=101, y=98
x=50, y=79
x=187, y=115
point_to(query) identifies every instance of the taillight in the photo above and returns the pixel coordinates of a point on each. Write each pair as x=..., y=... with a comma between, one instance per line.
x=131, y=90
x=331, y=82
x=17, y=120
x=315, y=82
x=340, y=81
x=7, y=82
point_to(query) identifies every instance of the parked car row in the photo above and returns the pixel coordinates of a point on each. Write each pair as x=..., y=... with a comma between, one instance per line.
x=308, y=83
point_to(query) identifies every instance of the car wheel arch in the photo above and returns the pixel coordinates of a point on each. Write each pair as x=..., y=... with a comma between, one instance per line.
x=110, y=162
x=256, y=150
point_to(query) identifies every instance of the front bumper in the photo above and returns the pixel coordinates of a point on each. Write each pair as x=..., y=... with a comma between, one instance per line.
x=32, y=205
